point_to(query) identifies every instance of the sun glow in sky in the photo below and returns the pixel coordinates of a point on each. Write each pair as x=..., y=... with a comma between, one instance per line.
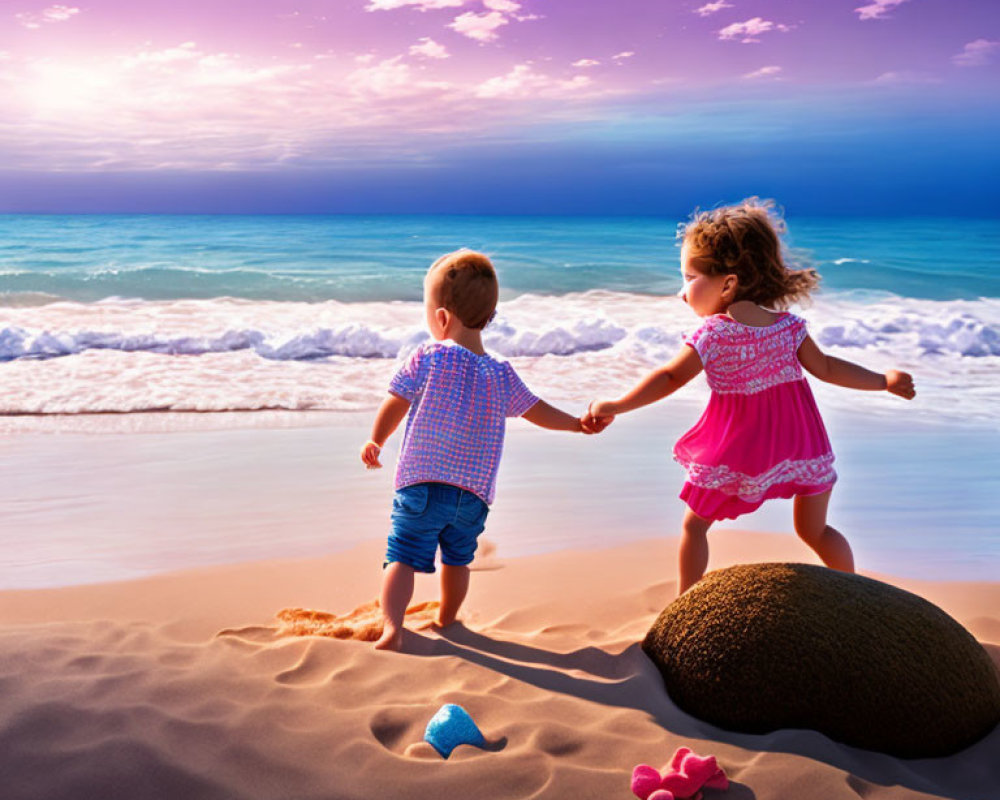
x=620, y=95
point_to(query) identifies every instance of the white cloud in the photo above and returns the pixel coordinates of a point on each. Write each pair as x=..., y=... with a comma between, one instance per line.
x=389, y=78
x=586, y=62
x=428, y=48
x=523, y=81
x=619, y=57
x=481, y=27
x=364, y=58
x=900, y=77
x=711, y=8
x=878, y=9
x=56, y=13
x=59, y=13
x=183, y=52
x=751, y=28
x=507, y=6
x=763, y=72
x=423, y=5
x=976, y=54
x=185, y=106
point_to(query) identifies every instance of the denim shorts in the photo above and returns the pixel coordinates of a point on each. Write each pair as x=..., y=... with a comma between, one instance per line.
x=426, y=515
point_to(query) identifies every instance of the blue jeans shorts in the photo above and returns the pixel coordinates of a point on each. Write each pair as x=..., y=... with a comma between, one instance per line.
x=426, y=515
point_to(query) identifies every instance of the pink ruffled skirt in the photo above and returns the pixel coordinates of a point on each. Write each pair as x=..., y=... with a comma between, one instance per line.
x=748, y=448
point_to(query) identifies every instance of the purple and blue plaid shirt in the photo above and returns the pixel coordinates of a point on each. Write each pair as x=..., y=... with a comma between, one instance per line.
x=460, y=402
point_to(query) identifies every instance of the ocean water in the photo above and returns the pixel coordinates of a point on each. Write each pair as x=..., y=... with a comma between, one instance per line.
x=141, y=313
x=126, y=314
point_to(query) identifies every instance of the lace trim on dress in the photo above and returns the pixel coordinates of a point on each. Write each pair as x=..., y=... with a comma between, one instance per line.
x=724, y=384
x=751, y=488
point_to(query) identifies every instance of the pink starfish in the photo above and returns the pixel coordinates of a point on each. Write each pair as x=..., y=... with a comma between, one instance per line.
x=682, y=779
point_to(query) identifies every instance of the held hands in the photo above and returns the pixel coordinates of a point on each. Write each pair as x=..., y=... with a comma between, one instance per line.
x=594, y=421
x=900, y=383
x=370, y=453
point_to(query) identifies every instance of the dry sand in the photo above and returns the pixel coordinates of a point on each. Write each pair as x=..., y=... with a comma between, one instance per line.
x=187, y=686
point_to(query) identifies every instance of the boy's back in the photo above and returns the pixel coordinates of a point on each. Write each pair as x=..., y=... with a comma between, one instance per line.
x=455, y=428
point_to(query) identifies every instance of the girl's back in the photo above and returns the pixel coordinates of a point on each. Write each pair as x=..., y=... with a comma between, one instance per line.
x=746, y=359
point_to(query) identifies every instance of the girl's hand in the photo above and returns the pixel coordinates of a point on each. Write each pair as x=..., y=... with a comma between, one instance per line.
x=369, y=454
x=900, y=383
x=603, y=409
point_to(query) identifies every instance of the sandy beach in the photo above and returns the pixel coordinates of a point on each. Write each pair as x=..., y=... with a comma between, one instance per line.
x=186, y=685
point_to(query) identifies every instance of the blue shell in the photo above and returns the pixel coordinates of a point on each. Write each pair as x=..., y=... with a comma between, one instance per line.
x=450, y=727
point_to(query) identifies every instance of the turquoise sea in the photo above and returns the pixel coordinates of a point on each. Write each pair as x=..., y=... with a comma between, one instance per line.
x=313, y=258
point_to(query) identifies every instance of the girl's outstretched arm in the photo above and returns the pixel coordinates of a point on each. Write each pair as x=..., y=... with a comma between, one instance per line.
x=655, y=386
x=853, y=376
x=389, y=415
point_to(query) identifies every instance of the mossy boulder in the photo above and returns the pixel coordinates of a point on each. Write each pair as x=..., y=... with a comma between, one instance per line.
x=759, y=647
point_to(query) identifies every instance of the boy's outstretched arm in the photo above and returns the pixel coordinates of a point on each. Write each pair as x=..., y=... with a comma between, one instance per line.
x=655, y=386
x=389, y=415
x=853, y=376
x=545, y=416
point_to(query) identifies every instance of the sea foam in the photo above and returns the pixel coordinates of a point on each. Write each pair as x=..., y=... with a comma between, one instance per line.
x=227, y=354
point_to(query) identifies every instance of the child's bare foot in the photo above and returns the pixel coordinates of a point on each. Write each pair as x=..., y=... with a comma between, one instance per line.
x=440, y=622
x=391, y=639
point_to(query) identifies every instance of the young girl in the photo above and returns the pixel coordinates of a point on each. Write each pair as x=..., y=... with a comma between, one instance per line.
x=761, y=435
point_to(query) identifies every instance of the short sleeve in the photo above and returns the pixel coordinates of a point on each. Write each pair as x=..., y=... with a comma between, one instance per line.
x=703, y=340
x=409, y=379
x=801, y=331
x=519, y=397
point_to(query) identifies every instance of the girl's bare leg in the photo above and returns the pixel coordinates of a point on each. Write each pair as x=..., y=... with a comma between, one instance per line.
x=397, y=589
x=454, y=587
x=810, y=525
x=694, y=550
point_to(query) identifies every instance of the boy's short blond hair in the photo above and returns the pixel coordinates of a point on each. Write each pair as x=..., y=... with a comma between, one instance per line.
x=466, y=285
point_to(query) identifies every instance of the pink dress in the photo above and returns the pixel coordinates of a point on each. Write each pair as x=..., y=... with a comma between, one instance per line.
x=761, y=435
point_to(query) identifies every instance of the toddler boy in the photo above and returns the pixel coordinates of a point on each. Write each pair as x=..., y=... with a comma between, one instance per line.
x=458, y=398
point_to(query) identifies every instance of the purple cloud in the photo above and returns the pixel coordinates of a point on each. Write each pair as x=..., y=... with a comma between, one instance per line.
x=57, y=13
x=877, y=10
x=481, y=27
x=423, y=5
x=976, y=54
x=899, y=77
x=749, y=29
x=763, y=72
x=711, y=8
x=523, y=82
x=428, y=48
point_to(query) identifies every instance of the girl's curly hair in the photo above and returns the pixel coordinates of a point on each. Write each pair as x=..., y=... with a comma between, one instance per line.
x=745, y=240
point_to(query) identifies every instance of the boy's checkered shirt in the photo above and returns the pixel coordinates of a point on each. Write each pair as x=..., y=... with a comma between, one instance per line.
x=460, y=402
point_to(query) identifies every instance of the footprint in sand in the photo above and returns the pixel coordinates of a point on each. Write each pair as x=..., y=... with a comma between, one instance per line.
x=363, y=624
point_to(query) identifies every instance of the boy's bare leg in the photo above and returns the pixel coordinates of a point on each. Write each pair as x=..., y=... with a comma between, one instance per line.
x=694, y=550
x=810, y=525
x=397, y=589
x=454, y=587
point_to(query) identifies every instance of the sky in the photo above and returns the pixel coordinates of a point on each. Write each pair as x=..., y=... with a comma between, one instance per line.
x=499, y=106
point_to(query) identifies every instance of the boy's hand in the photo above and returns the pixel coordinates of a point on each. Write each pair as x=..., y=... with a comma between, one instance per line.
x=900, y=383
x=591, y=424
x=370, y=453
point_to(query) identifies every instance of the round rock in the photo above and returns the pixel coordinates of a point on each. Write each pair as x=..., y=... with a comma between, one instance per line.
x=758, y=647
